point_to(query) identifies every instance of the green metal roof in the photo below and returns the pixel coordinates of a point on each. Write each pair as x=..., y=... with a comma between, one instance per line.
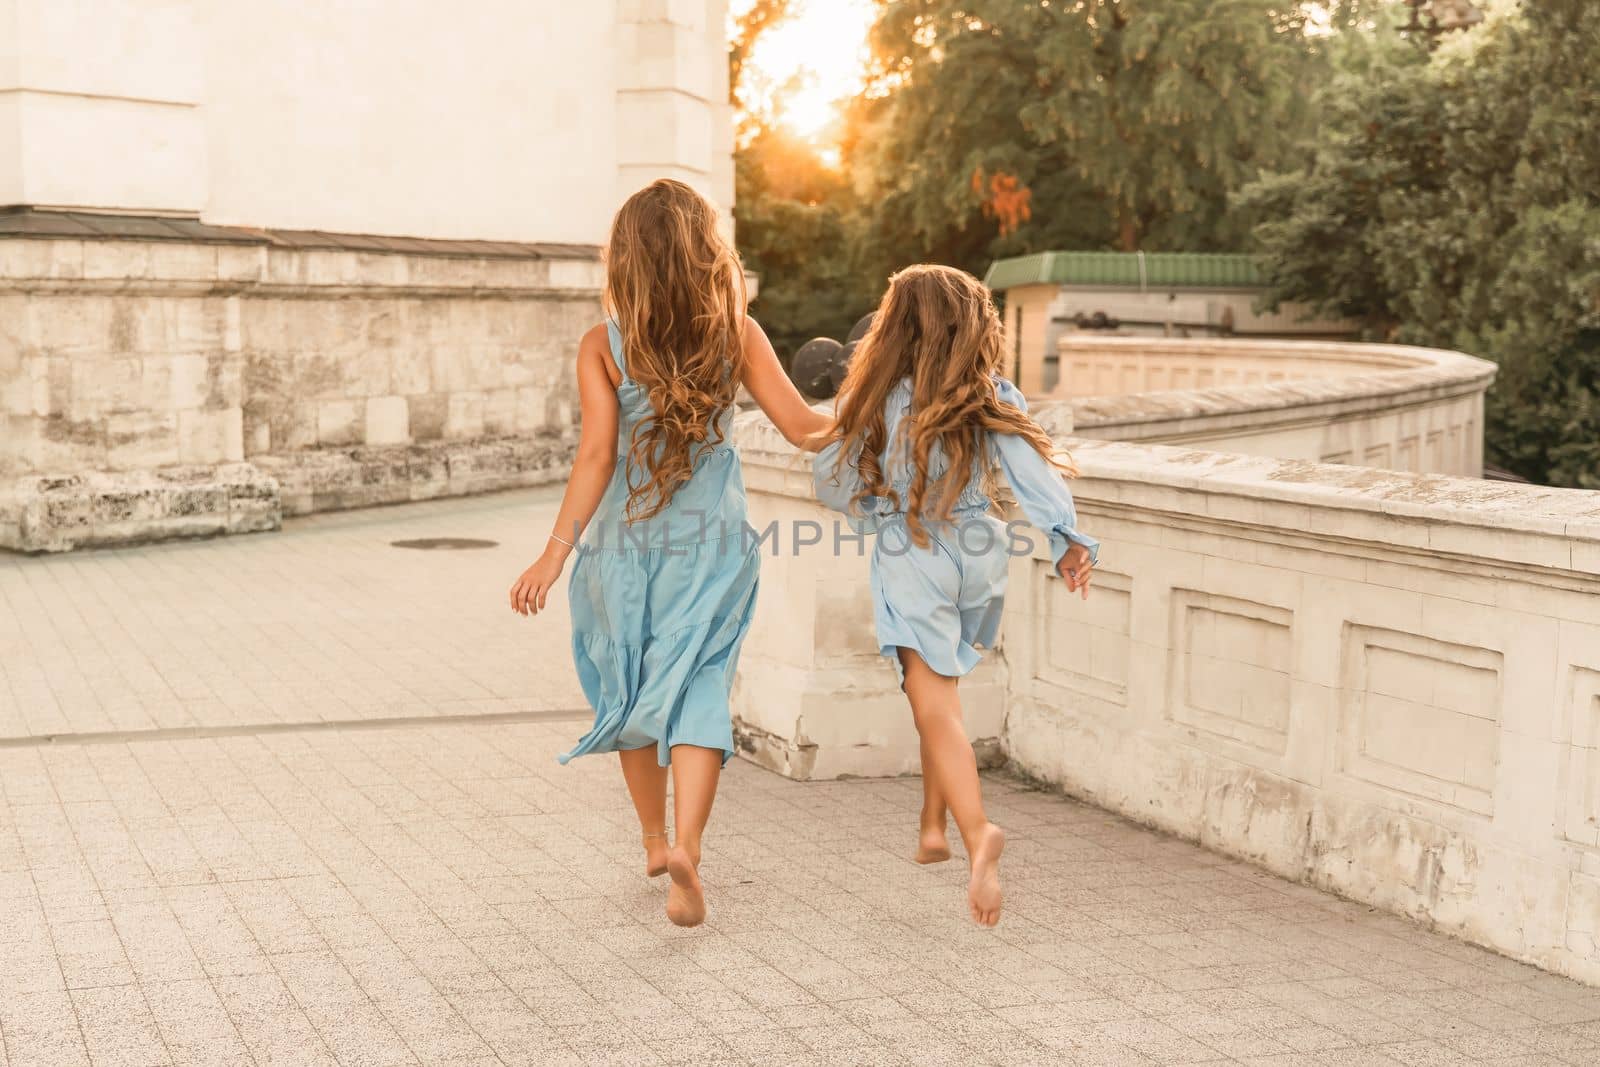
x=1159, y=270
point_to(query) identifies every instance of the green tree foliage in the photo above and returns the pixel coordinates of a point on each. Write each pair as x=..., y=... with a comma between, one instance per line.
x=1454, y=200
x=797, y=223
x=1001, y=127
x=1129, y=120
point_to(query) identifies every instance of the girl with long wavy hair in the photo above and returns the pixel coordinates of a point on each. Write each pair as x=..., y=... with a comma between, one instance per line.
x=664, y=579
x=923, y=417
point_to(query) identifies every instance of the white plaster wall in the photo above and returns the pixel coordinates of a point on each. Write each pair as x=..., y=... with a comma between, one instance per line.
x=10, y=141
x=482, y=120
x=102, y=100
x=522, y=120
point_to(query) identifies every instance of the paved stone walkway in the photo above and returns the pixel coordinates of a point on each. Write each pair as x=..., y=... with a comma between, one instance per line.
x=439, y=891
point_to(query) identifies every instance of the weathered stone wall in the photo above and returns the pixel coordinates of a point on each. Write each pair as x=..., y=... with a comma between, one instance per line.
x=139, y=376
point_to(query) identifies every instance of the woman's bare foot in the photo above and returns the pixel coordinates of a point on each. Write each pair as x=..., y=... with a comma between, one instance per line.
x=655, y=854
x=932, y=844
x=686, y=902
x=983, y=892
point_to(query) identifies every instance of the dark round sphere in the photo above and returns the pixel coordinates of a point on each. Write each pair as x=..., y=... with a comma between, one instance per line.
x=841, y=365
x=859, y=330
x=811, y=369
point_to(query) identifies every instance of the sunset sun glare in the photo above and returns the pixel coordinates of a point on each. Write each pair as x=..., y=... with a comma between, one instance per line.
x=805, y=67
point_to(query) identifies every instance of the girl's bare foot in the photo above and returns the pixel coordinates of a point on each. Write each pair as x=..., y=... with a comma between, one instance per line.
x=983, y=892
x=686, y=902
x=933, y=846
x=655, y=854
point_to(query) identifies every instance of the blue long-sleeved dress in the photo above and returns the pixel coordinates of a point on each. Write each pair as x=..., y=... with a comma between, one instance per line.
x=944, y=600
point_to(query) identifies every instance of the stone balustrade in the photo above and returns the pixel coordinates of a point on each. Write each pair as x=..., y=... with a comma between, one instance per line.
x=1386, y=684
x=1389, y=406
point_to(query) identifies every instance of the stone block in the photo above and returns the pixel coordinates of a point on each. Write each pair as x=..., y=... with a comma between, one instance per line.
x=98, y=387
x=428, y=415
x=25, y=259
x=339, y=422
x=189, y=379
x=116, y=260
x=500, y=412
x=388, y=421
x=577, y=274
x=26, y=389
x=67, y=326
x=211, y=436
x=102, y=508
x=411, y=368
x=428, y=473
x=368, y=371
x=464, y=416
x=257, y=434
x=460, y=367
x=532, y=410
x=141, y=440
x=180, y=261
x=240, y=264
x=335, y=479
x=295, y=426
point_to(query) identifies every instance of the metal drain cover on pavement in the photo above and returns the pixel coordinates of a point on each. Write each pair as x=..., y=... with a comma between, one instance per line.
x=445, y=542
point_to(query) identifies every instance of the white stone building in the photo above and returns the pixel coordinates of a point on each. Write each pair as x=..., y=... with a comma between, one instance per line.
x=276, y=257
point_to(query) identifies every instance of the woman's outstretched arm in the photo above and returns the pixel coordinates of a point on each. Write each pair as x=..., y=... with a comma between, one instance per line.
x=776, y=394
x=591, y=472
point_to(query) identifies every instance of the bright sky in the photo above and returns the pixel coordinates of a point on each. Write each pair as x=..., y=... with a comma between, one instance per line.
x=803, y=67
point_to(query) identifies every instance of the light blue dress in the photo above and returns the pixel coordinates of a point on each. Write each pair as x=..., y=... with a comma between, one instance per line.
x=660, y=607
x=945, y=599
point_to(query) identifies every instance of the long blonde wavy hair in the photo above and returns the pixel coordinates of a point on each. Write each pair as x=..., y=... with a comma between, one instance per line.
x=937, y=326
x=676, y=290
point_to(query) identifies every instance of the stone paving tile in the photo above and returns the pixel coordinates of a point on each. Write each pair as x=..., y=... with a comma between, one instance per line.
x=441, y=892
x=323, y=621
x=392, y=922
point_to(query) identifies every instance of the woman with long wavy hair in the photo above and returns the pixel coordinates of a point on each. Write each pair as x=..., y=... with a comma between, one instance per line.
x=664, y=580
x=924, y=417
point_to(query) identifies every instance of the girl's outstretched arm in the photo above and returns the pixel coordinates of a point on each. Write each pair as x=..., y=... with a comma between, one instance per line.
x=776, y=394
x=1042, y=493
x=834, y=479
x=591, y=472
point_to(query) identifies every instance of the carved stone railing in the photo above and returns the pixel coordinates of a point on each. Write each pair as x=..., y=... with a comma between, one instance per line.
x=1388, y=406
x=1387, y=685
x=1384, y=684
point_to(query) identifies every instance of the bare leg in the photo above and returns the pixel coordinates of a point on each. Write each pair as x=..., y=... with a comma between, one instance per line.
x=948, y=755
x=647, y=785
x=933, y=846
x=695, y=773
